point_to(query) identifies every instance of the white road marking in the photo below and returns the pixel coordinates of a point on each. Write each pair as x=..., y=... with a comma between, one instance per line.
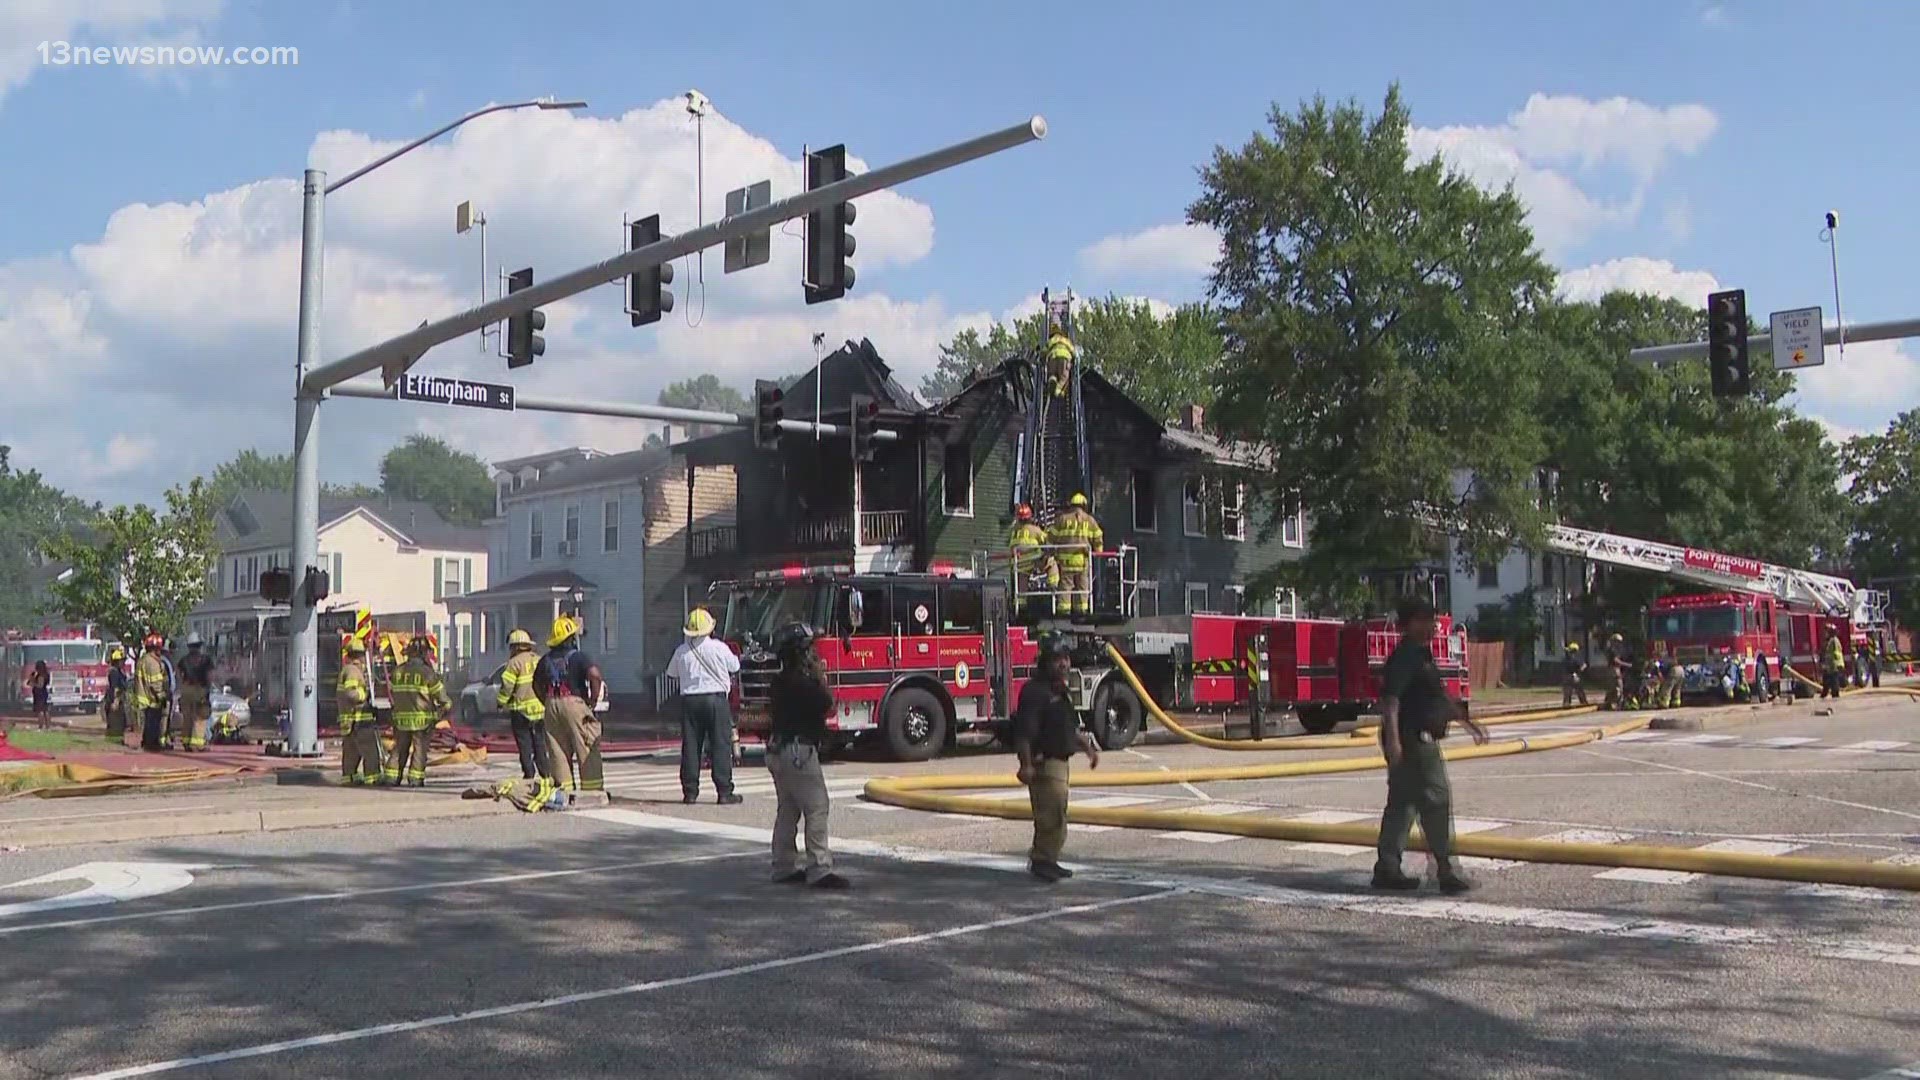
x=1783, y=741
x=1862, y=893
x=1330, y=817
x=1703, y=740
x=107, y=883
x=1735, y=846
x=1465, y=825
x=1587, y=836
x=862, y=804
x=1753, y=784
x=1638, y=736
x=1214, y=809
x=1113, y=800
x=1370, y=904
x=337, y=1037
x=1875, y=745
x=388, y=890
x=1904, y=1072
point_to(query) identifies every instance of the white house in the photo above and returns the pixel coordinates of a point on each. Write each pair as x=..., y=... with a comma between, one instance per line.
x=1557, y=581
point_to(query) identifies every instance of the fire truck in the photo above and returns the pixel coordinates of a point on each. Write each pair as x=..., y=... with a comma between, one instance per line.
x=916, y=659
x=76, y=660
x=386, y=650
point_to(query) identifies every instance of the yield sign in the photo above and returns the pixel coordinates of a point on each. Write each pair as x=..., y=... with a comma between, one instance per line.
x=107, y=883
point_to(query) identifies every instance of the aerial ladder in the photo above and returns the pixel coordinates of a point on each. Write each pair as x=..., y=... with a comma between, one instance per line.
x=1053, y=456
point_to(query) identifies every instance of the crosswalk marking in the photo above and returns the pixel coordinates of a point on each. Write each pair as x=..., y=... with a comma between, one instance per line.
x=1874, y=745
x=1735, y=846
x=1703, y=740
x=1587, y=836
x=1330, y=817
x=1110, y=801
x=1638, y=736
x=1216, y=809
x=1784, y=741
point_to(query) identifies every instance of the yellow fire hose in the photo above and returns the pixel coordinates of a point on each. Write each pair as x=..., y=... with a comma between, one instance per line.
x=1313, y=742
x=920, y=793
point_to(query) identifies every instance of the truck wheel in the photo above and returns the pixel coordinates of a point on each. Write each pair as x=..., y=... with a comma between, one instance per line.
x=469, y=714
x=1117, y=715
x=1318, y=719
x=916, y=725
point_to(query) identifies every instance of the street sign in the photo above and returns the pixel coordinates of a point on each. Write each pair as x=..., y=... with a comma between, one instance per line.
x=1799, y=339
x=753, y=248
x=477, y=395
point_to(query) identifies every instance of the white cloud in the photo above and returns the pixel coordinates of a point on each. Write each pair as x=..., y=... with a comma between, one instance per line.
x=1868, y=385
x=25, y=24
x=1176, y=250
x=1713, y=15
x=1636, y=273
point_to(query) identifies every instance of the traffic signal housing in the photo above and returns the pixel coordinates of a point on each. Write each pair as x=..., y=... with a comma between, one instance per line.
x=829, y=235
x=1727, y=343
x=523, y=343
x=276, y=585
x=769, y=409
x=647, y=296
x=866, y=427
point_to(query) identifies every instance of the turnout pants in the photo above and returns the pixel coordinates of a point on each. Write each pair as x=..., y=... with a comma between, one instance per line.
x=115, y=715
x=530, y=740
x=1047, y=794
x=801, y=790
x=190, y=722
x=153, y=727
x=1074, y=585
x=573, y=738
x=1417, y=787
x=360, y=751
x=706, y=727
x=409, y=759
x=1571, y=688
x=1831, y=683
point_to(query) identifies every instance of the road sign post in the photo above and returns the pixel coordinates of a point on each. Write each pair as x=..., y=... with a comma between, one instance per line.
x=1798, y=339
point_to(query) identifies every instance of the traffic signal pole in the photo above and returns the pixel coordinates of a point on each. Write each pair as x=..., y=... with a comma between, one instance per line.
x=1833, y=335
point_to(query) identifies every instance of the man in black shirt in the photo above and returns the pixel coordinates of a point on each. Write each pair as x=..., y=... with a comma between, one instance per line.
x=195, y=674
x=1046, y=732
x=1415, y=713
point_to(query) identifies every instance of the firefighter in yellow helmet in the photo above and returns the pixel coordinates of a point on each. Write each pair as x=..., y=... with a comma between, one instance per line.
x=522, y=706
x=1075, y=536
x=569, y=685
x=1060, y=353
x=359, y=734
x=152, y=693
x=419, y=701
x=1032, y=564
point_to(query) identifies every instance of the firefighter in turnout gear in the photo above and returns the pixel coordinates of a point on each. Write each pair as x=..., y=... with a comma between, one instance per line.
x=1059, y=362
x=195, y=677
x=419, y=701
x=359, y=734
x=1833, y=666
x=152, y=693
x=1076, y=536
x=1032, y=564
x=569, y=685
x=1571, y=686
x=523, y=706
x=1672, y=678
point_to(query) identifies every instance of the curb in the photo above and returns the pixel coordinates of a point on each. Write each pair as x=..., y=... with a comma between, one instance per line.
x=229, y=822
x=1729, y=716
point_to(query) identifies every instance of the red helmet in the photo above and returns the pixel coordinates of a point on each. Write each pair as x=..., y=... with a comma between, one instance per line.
x=154, y=641
x=1023, y=512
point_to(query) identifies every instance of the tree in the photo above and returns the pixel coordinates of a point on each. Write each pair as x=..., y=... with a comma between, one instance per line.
x=250, y=470
x=1885, y=494
x=969, y=354
x=33, y=513
x=428, y=470
x=143, y=570
x=1377, y=319
x=705, y=392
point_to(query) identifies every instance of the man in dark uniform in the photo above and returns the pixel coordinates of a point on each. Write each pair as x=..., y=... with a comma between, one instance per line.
x=1415, y=714
x=1570, y=686
x=1616, y=672
x=1046, y=733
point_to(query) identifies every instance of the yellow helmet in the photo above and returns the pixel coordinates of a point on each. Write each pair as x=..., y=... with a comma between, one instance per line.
x=564, y=627
x=116, y=654
x=1078, y=499
x=519, y=638
x=356, y=646
x=699, y=622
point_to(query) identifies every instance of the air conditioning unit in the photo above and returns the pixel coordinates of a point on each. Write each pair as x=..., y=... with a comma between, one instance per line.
x=567, y=548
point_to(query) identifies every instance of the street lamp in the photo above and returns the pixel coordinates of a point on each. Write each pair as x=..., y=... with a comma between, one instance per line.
x=579, y=599
x=303, y=733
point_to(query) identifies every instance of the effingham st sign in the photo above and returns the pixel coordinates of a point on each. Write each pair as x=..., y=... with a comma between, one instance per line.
x=443, y=391
x=1798, y=341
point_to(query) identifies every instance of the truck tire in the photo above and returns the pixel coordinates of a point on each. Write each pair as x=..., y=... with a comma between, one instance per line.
x=469, y=713
x=1117, y=715
x=915, y=725
x=1318, y=719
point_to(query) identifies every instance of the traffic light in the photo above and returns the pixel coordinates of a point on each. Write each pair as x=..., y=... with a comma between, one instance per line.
x=319, y=586
x=523, y=344
x=829, y=239
x=276, y=585
x=1727, y=343
x=768, y=410
x=866, y=427
x=647, y=297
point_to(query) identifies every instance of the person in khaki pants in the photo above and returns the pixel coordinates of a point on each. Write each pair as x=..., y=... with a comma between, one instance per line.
x=1046, y=732
x=569, y=685
x=800, y=703
x=360, y=753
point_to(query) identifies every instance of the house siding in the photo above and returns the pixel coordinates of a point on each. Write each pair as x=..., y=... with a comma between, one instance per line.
x=673, y=587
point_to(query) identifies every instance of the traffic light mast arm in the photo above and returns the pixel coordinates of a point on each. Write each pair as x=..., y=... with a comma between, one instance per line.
x=1695, y=350
x=417, y=342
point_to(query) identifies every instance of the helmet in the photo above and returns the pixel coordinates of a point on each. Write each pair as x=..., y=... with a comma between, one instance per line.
x=116, y=654
x=699, y=622
x=1078, y=499
x=1573, y=646
x=193, y=641
x=153, y=641
x=1616, y=637
x=356, y=646
x=1023, y=512
x=792, y=639
x=519, y=639
x=565, y=628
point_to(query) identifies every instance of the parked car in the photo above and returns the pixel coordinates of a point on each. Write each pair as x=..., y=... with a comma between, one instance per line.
x=481, y=699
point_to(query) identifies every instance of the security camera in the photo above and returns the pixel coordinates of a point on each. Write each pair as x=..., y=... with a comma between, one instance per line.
x=697, y=103
x=1833, y=219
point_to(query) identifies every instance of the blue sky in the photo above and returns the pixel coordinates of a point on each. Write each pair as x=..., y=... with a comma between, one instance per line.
x=1667, y=146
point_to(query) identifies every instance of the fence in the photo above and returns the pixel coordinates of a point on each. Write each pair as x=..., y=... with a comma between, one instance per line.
x=1486, y=664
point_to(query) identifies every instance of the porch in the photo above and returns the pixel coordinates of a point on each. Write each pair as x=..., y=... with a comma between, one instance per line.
x=529, y=603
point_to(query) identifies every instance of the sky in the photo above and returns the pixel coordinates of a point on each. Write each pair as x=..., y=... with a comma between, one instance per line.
x=149, y=242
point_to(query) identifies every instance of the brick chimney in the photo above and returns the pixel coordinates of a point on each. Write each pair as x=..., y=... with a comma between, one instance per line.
x=1191, y=417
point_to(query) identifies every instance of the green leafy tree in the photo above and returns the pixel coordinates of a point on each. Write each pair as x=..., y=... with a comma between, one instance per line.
x=33, y=513
x=1885, y=494
x=971, y=353
x=141, y=569
x=451, y=481
x=250, y=470
x=1377, y=316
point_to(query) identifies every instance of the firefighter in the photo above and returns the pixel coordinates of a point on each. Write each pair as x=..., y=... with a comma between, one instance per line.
x=569, y=685
x=522, y=705
x=1059, y=361
x=419, y=701
x=1833, y=665
x=1075, y=536
x=113, y=706
x=1616, y=670
x=195, y=672
x=1032, y=563
x=1571, y=686
x=1046, y=734
x=151, y=693
x=360, y=752
x=1873, y=659
x=1671, y=684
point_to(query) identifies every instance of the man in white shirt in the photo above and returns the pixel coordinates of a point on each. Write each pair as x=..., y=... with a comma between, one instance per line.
x=704, y=669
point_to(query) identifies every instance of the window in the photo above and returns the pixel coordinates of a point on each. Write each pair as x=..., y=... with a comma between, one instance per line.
x=1146, y=599
x=609, y=626
x=1233, y=509
x=1293, y=529
x=536, y=535
x=1235, y=600
x=956, y=478
x=913, y=609
x=1489, y=575
x=960, y=609
x=1146, y=510
x=234, y=565
x=610, y=526
x=1193, y=506
x=1197, y=598
x=875, y=611
x=1286, y=604
x=572, y=528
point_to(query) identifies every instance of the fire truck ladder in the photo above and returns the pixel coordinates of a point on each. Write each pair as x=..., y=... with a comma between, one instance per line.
x=1058, y=437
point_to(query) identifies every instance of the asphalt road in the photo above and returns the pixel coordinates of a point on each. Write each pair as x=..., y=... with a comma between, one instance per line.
x=644, y=940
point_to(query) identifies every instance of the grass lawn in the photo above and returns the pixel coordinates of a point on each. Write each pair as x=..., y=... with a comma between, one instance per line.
x=55, y=740
x=1516, y=695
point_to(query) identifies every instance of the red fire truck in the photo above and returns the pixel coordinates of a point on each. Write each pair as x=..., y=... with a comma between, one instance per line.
x=76, y=660
x=916, y=659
